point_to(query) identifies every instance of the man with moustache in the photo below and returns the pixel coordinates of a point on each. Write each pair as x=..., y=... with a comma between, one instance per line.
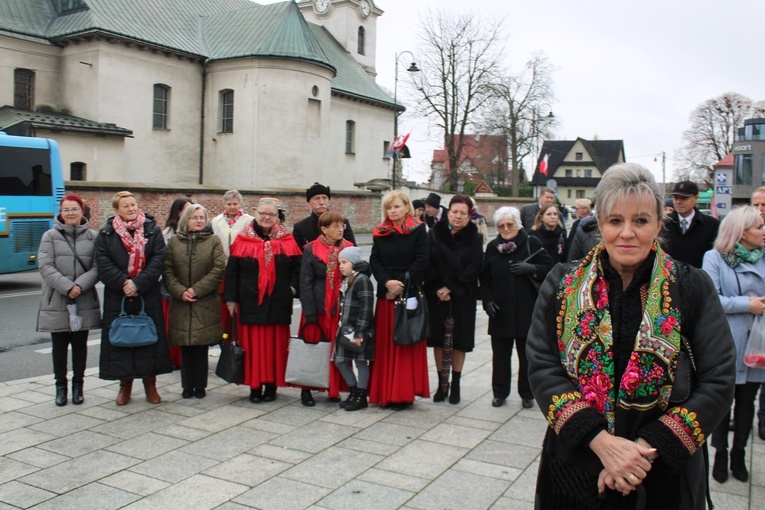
x=306, y=230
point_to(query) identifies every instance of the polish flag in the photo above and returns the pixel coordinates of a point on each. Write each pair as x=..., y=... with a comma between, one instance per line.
x=399, y=142
x=543, y=165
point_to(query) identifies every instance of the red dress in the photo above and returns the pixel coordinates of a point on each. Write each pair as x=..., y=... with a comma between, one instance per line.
x=265, y=353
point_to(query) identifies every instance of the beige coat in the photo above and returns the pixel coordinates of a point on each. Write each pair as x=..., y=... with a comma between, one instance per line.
x=228, y=234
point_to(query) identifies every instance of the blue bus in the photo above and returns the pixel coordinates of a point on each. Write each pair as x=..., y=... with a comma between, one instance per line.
x=31, y=188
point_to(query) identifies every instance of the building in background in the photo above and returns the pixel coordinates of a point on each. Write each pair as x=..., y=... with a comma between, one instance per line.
x=483, y=159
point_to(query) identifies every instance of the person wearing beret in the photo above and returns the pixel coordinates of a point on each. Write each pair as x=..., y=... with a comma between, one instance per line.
x=306, y=230
x=434, y=211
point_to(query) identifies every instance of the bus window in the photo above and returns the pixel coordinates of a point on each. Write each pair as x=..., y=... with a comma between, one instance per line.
x=26, y=172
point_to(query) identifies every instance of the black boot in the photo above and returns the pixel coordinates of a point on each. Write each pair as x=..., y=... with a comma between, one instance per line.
x=443, y=389
x=738, y=464
x=307, y=399
x=720, y=469
x=351, y=391
x=256, y=395
x=61, y=394
x=454, y=398
x=359, y=401
x=269, y=395
x=77, y=397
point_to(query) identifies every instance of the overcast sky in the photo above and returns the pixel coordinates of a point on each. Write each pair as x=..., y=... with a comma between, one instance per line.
x=624, y=70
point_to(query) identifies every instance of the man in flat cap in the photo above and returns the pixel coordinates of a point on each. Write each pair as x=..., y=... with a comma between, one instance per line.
x=434, y=211
x=306, y=230
x=687, y=232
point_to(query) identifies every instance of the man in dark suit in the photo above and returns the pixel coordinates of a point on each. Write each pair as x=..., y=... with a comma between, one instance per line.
x=688, y=233
x=306, y=230
x=434, y=211
x=529, y=212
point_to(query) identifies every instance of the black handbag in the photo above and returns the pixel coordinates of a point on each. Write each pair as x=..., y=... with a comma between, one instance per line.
x=230, y=366
x=345, y=339
x=133, y=330
x=410, y=327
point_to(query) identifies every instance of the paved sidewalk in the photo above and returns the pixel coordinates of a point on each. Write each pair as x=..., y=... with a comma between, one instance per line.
x=224, y=452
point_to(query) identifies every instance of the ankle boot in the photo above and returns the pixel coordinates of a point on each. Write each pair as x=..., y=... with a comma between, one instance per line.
x=126, y=388
x=306, y=398
x=269, y=395
x=720, y=469
x=77, y=397
x=443, y=389
x=351, y=391
x=150, y=387
x=454, y=398
x=738, y=464
x=359, y=400
x=61, y=394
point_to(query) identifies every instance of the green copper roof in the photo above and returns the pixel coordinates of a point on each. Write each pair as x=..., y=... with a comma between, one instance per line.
x=10, y=117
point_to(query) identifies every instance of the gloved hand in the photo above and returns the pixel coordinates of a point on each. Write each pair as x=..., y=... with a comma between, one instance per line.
x=310, y=319
x=491, y=308
x=522, y=268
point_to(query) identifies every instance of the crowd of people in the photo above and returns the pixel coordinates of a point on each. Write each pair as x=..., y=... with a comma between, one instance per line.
x=618, y=324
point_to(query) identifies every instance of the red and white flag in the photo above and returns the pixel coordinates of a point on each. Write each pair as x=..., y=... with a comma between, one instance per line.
x=543, y=165
x=399, y=142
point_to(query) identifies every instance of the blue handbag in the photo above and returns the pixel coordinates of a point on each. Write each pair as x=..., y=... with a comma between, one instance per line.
x=133, y=330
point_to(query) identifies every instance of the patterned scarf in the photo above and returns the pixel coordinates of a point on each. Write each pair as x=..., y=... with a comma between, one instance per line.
x=238, y=215
x=585, y=345
x=249, y=244
x=327, y=253
x=741, y=254
x=387, y=227
x=134, y=244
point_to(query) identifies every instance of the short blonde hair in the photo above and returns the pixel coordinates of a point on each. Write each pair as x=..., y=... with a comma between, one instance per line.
x=119, y=196
x=734, y=225
x=393, y=195
x=183, y=223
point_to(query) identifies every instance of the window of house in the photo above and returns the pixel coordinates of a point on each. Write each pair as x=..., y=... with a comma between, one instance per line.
x=742, y=168
x=77, y=171
x=579, y=156
x=161, y=106
x=227, y=111
x=569, y=193
x=569, y=172
x=587, y=173
x=386, y=146
x=580, y=193
x=361, y=41
x=24, y=89
x=67, y=6
x=350, y=135
x=578, y=172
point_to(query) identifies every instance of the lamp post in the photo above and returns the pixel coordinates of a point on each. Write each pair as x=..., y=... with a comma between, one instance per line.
x=536, y=120
x=412, y=69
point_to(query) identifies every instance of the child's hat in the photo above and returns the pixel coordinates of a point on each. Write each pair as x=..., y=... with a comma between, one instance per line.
x=352, y=254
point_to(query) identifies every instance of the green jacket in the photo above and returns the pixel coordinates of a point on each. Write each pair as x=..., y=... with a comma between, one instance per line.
x=194, y=260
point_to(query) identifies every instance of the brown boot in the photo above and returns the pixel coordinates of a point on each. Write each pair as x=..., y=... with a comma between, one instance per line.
x=126, y=388
x=150, y=386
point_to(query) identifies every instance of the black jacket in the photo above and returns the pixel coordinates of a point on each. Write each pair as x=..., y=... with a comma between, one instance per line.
x=313, y=279
x=554, y=242
x=430, y=220
x=112, y=262
x=586, y=238
x=307, y=229
x=515, y=295
x=699, y=239
x=392, y=256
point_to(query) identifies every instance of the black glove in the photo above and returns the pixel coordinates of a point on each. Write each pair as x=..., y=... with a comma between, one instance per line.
x=522, y=268
x=310, y=319
x=491, y=308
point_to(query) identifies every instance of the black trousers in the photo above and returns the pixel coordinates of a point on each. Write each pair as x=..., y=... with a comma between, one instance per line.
x=501, y=363
x=79, y=342
x=743, y=415
x=194, y=366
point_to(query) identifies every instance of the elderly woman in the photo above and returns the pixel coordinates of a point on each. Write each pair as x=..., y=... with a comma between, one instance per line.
x=608, y=337
x=320, y=281
x=130, y=253
x=549, y=229
x=451, y=287
x=194, y=268
x=262, y=277
x=399, y=247
x=514, y=266
x=737, y=268
x=68, y=268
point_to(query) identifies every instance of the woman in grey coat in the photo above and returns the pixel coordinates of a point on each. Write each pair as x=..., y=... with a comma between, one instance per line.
x=68, y=268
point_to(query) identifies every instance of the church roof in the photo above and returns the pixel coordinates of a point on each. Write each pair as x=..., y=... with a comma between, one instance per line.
x=11, y=118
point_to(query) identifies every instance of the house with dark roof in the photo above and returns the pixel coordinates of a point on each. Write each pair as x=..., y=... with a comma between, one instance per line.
x=226, y=93
x=483, y=159
x=575, y=166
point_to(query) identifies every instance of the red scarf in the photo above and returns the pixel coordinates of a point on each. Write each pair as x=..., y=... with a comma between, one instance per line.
x=387, y=227
x=134, y=244
x=327, y=253
x=236, y=216
x=249, y=245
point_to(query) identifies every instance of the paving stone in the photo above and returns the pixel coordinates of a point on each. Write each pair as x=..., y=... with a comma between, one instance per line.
x=512, y=504
x=282, y=494
x=199, y=491
x=32, y=396
x=280, y=453
x=20, y=439
x=174, y=466
x=102, y=413
x=363, y=495
x=455, y=435
x=524, y=487
x=332, y=467
x=22, y=495
x=94, y=496
x=473, y=423
x=460, y=490
x=297, y=415
x=423, y=414
x=390, y=433
x=423, y=459
x=396, y=480
x=315, y=436
x=724, y=501
x=361, y=419
x=487, y=469
x=66, y=425
x=181, y=432
x=137, y=424
x=365, y=445
x=504, y=454
x=11, y=469
x=229, y=443
x=79, y=444
x=269, y=426
x=247, y=469
x=215, y=421
x=8, y=404
x=38, y=457
x=134, y=482
x=147, y=446
x=78, y=472
x=523, y=431
x=12, y=420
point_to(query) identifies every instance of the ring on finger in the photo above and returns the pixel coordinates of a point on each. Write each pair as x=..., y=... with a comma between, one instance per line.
x=631, y=478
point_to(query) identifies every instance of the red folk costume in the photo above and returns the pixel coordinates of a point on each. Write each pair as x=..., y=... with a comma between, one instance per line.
x=326, y=319
x=265, y=305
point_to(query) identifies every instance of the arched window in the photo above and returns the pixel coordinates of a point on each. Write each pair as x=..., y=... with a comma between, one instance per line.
x=24, y=89
x=226, y=111
x=161, y=106
x=78, y=171
x=361, y=41
x=350, y=135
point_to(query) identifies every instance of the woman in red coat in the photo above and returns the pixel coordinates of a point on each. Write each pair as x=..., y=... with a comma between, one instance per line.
x=262, y=277
x=399, y=246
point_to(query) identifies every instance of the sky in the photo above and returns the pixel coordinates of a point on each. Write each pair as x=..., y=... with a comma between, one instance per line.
x=623, y=69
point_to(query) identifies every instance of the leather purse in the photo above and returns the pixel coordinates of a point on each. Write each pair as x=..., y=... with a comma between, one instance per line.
x=345, y=339
x=230, y=366
x=410, y=327
x=133, y=330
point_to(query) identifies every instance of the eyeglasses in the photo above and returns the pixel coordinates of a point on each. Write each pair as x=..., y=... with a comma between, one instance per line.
x=506, y=226
x=268, y=214
x=69, y=211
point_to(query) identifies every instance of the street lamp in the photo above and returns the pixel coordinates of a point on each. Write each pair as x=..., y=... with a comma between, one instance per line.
x=412, y=69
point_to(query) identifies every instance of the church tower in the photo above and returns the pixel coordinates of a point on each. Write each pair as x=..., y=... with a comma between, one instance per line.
x=352, y=22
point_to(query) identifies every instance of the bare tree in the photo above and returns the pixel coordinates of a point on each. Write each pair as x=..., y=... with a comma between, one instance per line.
x=712, y=133
x=459, y=55
x=514, y=112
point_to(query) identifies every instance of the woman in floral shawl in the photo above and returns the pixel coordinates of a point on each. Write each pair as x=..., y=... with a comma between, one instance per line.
x=262, y=277
x=604, y=351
